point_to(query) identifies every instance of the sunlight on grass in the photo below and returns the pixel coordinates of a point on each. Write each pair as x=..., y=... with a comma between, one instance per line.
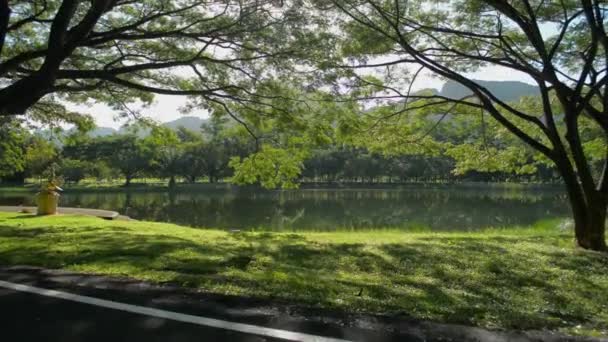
x=522, y=278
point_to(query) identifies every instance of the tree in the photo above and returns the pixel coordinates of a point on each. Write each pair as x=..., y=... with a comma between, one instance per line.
x=217, y=153
x=221, y=142
x=191, y=164
x=325, y=164
x=120, y=51
x=166, y=152
x=74, y=170
x=562, y=46
x=12, y=147
x=40, y=157
x=127, y=154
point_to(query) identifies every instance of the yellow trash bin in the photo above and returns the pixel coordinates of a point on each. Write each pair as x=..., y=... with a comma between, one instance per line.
x=48, y=199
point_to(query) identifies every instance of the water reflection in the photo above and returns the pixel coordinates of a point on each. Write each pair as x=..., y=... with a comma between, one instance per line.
x=323, y=209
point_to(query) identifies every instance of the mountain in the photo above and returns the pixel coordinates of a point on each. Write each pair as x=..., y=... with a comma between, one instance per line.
x=102, y=132
x=192, y=123
x=427, y=91
x=504, y=90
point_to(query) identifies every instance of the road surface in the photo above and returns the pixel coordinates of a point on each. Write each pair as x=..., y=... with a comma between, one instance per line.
x=52, y=305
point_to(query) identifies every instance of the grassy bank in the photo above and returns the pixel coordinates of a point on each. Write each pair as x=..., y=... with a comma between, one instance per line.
x=520, y=278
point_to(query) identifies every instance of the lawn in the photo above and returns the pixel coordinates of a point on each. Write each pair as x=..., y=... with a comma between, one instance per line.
x=516, y=278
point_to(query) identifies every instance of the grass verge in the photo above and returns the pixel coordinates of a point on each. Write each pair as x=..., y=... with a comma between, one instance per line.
x=518, y=278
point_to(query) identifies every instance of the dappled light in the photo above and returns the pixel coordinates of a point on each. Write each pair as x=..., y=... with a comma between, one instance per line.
x=438, y=162
x=521, y=279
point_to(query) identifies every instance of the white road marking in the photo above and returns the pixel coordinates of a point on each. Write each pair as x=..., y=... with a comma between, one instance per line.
x=175, y=316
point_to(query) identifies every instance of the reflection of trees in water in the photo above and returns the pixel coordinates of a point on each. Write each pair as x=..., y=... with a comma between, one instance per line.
x=16, y=199
x=420, y=193
x=435, y=213
x=329, y=209
x=284, y=221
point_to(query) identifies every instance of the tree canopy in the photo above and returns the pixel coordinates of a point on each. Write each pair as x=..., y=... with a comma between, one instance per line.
x=561, y=46
x=121, y=51
x=297, y=74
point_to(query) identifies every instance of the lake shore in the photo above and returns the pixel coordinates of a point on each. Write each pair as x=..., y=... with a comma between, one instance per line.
x=160, y=185
x=524, y=278
x=439, y=207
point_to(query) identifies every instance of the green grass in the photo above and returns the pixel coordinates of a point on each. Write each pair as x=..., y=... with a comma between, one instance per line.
x=520, y=278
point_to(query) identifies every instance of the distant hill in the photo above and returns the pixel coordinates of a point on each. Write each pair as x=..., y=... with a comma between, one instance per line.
x=427, y=91
x=102, y=132
x=192, y=123
x=504, y=90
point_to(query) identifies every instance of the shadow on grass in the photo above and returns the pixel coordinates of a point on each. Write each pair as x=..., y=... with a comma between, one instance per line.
x=508, y=282
x=26, y=215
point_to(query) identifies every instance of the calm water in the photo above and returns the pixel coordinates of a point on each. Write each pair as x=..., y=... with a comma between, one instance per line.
x=446, y=208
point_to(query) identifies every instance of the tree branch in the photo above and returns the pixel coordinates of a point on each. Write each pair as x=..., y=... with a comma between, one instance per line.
x=5, y=13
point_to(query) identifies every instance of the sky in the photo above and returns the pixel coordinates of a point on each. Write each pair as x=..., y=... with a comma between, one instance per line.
x=167, y=108
x=164, y=108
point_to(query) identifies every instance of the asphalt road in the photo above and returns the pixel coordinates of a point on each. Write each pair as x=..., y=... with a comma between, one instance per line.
x=43, y=316
x=31, y=317
x=39, y=317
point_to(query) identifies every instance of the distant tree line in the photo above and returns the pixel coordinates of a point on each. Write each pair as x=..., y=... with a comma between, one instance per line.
x=357, y=165
x=161, y=153
x=192, y=156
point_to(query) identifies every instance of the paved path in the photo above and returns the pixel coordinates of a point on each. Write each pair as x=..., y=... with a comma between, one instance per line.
x=37, y=318
x=105, y=214
x=93, y=308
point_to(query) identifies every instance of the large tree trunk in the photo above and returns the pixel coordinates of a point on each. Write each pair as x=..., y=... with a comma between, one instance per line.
x=588, y=210
x=172, y=182
x=5, y=13
x=590, y=224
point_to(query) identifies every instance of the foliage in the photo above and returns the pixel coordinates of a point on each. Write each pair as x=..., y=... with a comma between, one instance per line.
x=12, y=142
x=271, y=167
x=40, y=156
x=559, y=46
x=73, y=170
x=119, y=52
x=512, y=278
x=165, y=150
x=127, y=154
x=191, y=155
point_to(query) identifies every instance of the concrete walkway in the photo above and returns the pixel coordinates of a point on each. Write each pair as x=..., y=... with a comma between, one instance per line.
x=104, y=214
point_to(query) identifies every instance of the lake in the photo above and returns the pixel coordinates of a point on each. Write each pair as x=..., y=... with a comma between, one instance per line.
x=406, y=207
